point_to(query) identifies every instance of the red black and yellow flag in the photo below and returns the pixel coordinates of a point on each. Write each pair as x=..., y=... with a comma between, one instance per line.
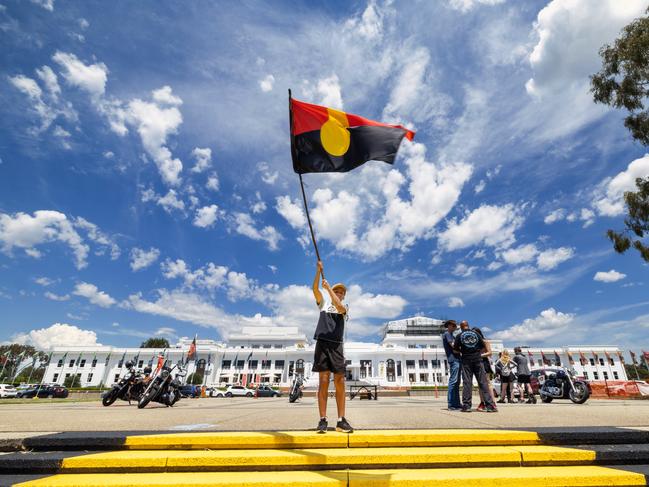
x=328, y=140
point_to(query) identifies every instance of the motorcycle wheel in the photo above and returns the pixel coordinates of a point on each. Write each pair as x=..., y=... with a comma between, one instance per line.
x=146, y=398
x=546, y=399
x=580, y=393
x=110, y=397
x=176, y=398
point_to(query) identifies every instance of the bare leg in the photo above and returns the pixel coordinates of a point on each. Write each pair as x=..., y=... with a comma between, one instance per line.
x=323, y=391
x=339, y=382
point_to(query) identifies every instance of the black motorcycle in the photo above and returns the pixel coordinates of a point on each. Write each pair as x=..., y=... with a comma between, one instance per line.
x=562, y=385
x=129, y=388
x=164, y=387
x=295, y=391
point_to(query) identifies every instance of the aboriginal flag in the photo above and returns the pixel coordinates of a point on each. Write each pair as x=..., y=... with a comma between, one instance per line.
x=328, y=140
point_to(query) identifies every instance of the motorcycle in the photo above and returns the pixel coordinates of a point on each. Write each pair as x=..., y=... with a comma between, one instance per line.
x=295, y=391
x=562, y=385
x=129, y=388
x=164, y=387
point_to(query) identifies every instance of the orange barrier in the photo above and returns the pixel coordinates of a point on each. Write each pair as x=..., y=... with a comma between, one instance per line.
x=619, y=388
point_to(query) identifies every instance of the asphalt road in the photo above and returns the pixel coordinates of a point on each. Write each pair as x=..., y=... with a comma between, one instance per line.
x=277, y=414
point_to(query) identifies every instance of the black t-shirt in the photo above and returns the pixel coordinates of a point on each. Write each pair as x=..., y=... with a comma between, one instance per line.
x=331, y=324
x=470, y=344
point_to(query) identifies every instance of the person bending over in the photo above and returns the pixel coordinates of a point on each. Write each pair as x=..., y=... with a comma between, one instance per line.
x=329, y=357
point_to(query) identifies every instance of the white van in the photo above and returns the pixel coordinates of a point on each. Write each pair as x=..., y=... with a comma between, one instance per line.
x=7, y=390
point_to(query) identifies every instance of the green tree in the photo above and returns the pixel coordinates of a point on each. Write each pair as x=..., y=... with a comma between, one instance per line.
x=195, y=379
x=623, y=82
x=72, y=381
x=155, y=342
x=13, y=356
x=631, y=371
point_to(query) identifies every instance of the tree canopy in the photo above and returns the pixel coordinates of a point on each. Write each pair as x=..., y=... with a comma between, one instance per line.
x=155, y=342
x=623, y=82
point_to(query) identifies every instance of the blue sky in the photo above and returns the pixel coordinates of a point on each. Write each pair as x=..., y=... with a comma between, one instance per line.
x=146, y=186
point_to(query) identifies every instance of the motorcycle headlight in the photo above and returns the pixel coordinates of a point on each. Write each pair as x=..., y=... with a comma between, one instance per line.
x=165, y=374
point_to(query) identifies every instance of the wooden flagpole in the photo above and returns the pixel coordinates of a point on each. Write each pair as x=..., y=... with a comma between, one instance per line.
x=306, y=206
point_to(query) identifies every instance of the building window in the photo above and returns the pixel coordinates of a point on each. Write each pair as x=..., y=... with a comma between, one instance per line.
x=410, y=364
x=410, y=345
x=605, y=375
x=82, y=363
x=435, y=364
x=55, y=377
x=601, y=361
x=399, y=374
x=265, y=364
x=366, y=369
x=540, y=363
x=390, y=370
x=60, y=364
x=615, y=375
x=423, y=364
x=592, y=362
x=89, y=379
x=140, y=364
x=120, y=364
x=585, y=375
x=423, y=377
x=278, y=346
x=279, y=364
x=595, y=376
x=411, y=377
x=252, y=364
x=225, y=364
x=266, y=345
x=116, y=378
x=71, y=363
x=240, y=364
x=255, y=346
x=94, y=362
x=291, y=367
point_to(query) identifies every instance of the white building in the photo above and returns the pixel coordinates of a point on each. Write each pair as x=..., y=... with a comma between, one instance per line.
x=410, y=354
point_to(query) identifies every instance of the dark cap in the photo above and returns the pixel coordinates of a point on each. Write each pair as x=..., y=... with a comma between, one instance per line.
x=448, y=323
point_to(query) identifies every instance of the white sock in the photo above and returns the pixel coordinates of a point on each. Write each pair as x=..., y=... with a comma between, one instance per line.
x=340, y=419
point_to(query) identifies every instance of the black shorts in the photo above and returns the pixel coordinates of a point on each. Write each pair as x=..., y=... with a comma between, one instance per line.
x=329, y=357
x=506, y=379
x=523, y=379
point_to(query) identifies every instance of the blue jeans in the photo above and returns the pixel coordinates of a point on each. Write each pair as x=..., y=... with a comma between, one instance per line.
x=454, y=384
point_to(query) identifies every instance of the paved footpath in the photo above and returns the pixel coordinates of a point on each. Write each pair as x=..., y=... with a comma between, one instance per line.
x=212, y=414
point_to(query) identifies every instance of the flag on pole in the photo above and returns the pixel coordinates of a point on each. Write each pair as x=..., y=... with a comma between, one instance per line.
x=570, y=359
x=595, y=356
x=608, y=357
x=582, y=358
x=191, y=353
x=324, y=139
x=633, y=357
x=621, y=357
x=557, y=358
x=544, y=358
x=531, y=357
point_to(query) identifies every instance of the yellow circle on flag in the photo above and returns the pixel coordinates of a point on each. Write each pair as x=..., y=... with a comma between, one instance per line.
x=335, y=137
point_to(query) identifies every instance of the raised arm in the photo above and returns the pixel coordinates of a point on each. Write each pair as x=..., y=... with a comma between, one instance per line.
x=316, y=284
x=334, y=298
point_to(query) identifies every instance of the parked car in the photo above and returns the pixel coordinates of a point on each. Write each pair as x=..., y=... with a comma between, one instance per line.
x=239, y=391
x=267, y=391
x=45, y=391
x=189, y=390
x=534, y=382
x=7, y=390
x=214, y=392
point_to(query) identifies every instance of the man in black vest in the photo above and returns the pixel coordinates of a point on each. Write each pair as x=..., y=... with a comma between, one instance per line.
x=329, y=355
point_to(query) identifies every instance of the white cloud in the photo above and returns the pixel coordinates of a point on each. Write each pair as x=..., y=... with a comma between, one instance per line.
x=492, y=225
x=551, y=258
x=464, y=270
x=610, y=276
x=44, y=281
x=50, y=80
x=26, y=232
x=455, y=302
x=141, y=259
x=555, y=216
x=165, y=96
x=466, y=5
x=258, y=207
x=369, y=25
x=57, y=335
x=203, y=159
x=518, y=255
x=267, y=83
x=90, y=78
x=93, y=294
x=326, y=92
x=479, y=188
x=570, y=34
x=245, y=225
x=210, y=276
x=109, y=154
x=96, y=235
x=549, y=323
x=56, y=297
x=611, y=203
x=212, y=182
x=291, y=211
x=206, y=216
x=239, y=286
x=46, y=4
x=267, y=176
x=170, y=201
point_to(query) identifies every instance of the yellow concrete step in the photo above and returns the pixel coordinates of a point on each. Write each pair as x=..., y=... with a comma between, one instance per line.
x=578, y=476
x=272, y=459
x=311, y=439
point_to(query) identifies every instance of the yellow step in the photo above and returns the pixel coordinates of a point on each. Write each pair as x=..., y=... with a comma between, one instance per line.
x=480, y=477
x=311, y=439
x=337, y=457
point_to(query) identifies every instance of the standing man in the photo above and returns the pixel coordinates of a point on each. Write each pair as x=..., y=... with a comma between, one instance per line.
x=524, y=375
x=454, y=365
x=470, y=345
x=329, y=355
